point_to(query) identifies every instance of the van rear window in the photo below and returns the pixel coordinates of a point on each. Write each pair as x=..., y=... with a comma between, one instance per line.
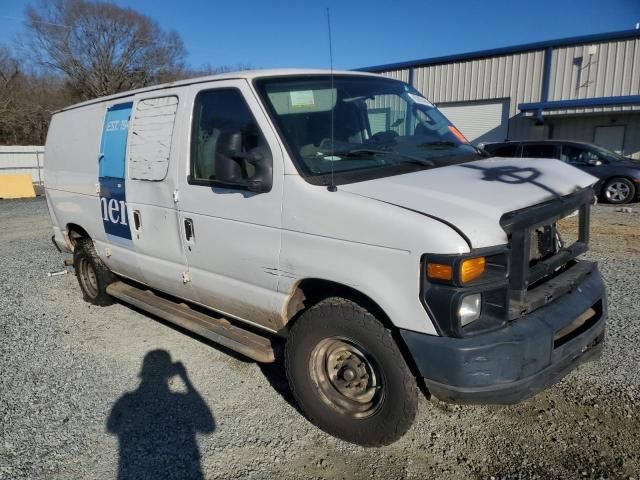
x=151, y=132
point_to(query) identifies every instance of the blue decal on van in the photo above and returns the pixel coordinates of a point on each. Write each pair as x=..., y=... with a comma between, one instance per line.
x=113, y=200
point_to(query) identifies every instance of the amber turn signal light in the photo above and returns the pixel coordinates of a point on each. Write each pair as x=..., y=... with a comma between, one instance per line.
x=439, y=271
x=471, y=269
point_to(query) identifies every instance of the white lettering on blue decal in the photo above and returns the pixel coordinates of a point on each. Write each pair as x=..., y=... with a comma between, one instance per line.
x=123, y=212
x=114, y=211
x=103, y=207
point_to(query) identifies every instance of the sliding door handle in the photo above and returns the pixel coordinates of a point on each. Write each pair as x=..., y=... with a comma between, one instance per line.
x=137, y=220
x=189, y=233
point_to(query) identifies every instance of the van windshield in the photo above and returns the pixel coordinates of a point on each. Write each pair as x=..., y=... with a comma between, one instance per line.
x=356, y=128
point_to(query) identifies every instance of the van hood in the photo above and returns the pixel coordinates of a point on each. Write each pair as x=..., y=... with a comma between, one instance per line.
x=473, y=196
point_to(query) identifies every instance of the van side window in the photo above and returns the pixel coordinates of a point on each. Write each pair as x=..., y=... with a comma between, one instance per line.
x=223, y=130
x=538, y=151
x=151, y=132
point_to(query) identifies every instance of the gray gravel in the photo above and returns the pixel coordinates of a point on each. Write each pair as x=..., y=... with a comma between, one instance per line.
x=65, y=365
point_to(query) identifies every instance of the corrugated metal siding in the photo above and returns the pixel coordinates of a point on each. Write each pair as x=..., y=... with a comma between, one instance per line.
x=394, y=109
x=583, y=129
x=613, y=70
x=516, y=76
x=402, y=75
x=521, y=128
x=22, y=160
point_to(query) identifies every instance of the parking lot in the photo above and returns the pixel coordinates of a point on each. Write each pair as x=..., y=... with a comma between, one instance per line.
x=79, y=394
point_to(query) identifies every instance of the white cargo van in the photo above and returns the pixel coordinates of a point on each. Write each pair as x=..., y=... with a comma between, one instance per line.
x=343, y=216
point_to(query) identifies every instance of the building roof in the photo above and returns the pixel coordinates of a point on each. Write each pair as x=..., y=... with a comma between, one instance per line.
x=526, y=47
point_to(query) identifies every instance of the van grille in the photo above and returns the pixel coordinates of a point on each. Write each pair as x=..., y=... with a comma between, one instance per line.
x=544, y=240
x=543, y=243
x=547, y=240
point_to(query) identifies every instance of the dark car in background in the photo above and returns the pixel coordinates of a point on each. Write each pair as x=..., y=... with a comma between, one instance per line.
x=619, y=176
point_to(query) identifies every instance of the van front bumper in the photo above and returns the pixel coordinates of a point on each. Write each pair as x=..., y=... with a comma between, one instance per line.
x=517, y=361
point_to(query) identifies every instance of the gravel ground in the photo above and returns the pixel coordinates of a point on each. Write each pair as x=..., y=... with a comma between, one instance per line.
x=71, y=388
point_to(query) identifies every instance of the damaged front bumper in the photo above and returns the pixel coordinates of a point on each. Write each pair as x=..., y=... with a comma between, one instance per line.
x=525, y=356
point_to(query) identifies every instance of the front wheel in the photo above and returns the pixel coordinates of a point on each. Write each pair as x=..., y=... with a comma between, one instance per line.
x=93, y=275
x=348, y=375
x=619, y=190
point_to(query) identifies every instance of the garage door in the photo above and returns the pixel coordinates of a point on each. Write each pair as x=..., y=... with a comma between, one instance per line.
x=611, y=137
x=479, y=121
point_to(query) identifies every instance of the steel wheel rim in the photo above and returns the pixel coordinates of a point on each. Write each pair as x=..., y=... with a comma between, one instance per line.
x=88, y=277
x=347, y=377
x=618, y=192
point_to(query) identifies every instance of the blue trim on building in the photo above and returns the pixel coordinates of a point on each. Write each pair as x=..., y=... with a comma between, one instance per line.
x=527, y=47
x=581, y=102
x=546, y=79
x=546, y=74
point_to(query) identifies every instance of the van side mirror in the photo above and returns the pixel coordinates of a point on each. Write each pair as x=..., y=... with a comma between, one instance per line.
x=231, y=161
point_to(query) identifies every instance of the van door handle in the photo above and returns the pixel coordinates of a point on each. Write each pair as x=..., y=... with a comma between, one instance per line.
x=188, y=230
x=137, y=220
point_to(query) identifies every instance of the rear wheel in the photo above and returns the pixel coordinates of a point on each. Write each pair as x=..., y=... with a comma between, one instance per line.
x=348, y=375
x=619, y=190
x=93, y=275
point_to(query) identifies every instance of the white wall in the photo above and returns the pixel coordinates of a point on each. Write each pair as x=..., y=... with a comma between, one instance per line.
x=22, y=160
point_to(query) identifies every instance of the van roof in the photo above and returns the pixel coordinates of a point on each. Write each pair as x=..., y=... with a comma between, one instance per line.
x=243, y=74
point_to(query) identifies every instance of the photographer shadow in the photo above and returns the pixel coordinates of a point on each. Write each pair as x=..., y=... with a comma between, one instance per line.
x=157, y=427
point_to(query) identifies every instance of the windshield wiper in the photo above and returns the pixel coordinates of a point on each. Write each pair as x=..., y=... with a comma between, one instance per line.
x=446, y=143
x=418, y=161
x=439, y=143
x=404, y=158
x=360, y=151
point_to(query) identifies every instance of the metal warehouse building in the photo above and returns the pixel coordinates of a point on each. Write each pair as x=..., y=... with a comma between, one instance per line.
x=581, y=88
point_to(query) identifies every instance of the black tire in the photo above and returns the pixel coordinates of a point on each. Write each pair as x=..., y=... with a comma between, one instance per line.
x=345, y=326
x=93, y=275
x=618, y=190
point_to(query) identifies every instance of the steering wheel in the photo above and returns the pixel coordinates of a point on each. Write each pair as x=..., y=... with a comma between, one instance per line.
x=383, y=137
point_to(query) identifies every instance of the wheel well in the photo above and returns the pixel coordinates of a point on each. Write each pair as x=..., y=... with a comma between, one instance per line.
x=613, y=177
x=75, y=232
x=311, y=291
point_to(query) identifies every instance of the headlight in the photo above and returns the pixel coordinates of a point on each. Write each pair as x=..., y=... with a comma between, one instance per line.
x=469, y=309
x=466, y=294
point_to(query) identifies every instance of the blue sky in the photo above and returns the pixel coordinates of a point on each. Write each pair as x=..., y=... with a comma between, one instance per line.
x=273, y=33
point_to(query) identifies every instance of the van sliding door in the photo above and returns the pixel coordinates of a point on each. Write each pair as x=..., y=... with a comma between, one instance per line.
x=153, y=164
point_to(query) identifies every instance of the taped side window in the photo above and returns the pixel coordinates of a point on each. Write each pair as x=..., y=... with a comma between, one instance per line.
x=151, y=132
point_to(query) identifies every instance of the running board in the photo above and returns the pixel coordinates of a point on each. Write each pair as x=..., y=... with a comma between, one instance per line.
x=218, y=330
